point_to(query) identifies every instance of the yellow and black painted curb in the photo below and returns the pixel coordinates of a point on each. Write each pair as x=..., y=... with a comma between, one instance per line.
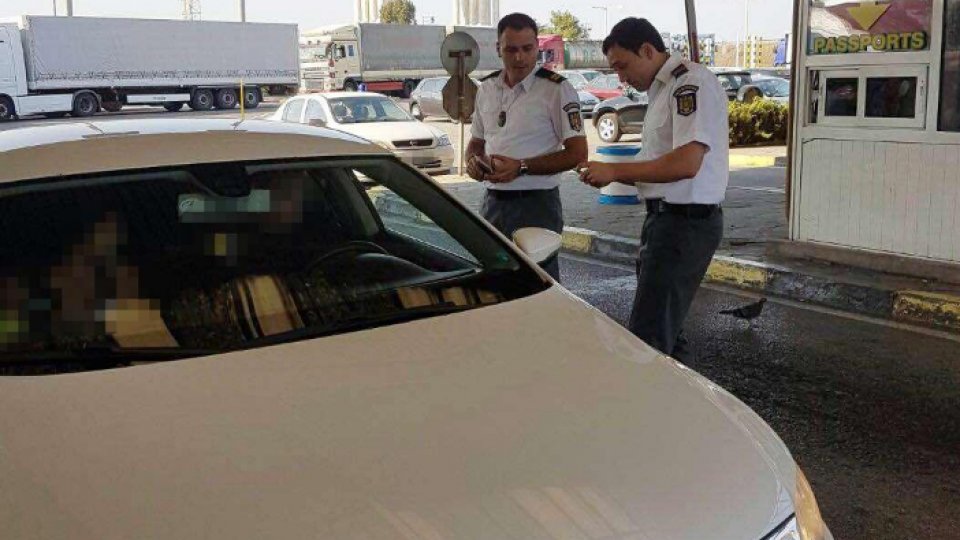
x=745, y=161
x=921, y=308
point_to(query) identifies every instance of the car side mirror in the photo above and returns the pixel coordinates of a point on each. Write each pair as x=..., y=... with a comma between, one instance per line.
x=539, y=244
x=316, y=122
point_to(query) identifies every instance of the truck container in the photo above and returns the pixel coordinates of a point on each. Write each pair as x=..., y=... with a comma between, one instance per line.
x=80, y=65
x=389, y=58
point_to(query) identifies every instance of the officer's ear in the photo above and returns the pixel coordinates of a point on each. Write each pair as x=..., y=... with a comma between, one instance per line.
x=499, y=54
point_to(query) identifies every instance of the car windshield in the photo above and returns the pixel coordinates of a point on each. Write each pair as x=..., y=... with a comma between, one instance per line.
x=139, y=266
x=365, y=109
x=576, y=79
x=773, y=87
x=590, y=75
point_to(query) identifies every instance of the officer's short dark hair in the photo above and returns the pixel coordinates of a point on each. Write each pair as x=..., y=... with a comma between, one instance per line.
x=516, y=21
x=631, y=33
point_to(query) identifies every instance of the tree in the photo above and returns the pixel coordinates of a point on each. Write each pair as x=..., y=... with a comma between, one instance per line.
x=565, y=24
x=398, y=12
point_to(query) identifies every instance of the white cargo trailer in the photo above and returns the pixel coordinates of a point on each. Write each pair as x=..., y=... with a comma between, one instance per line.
x=80, y=65
x=388, y=58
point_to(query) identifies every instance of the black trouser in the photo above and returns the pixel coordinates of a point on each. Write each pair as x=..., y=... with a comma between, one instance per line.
x=677, y=244
x=512, y=210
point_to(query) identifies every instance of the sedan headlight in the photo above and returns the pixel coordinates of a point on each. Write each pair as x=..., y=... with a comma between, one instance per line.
x=443, y=140
x=806, y=524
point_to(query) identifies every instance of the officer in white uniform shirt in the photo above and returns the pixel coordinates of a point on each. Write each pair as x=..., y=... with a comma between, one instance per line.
x=682, y=174
x=526, y=130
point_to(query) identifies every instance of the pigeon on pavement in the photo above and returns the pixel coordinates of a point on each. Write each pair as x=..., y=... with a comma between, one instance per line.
x=747, y=312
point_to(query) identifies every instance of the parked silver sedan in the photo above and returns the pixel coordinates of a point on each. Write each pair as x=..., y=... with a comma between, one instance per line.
x=377, y=118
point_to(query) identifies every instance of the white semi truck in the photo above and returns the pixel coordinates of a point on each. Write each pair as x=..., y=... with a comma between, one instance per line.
x=79, y=65
x=389, y=58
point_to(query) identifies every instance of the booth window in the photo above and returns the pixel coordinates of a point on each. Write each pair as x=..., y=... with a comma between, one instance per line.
x=891, y=97
x=950, y=78
x=841, y=98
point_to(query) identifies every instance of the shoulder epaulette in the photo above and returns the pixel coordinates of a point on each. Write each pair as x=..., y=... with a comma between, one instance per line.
x=679, y=70
x=492, y=75
x=551, y=76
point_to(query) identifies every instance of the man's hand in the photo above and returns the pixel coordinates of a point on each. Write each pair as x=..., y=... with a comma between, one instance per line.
x=597, y=174
x=505, y=169
x=473, y=168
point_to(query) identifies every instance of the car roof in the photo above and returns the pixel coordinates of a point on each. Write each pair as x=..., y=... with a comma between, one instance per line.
x=92, y=147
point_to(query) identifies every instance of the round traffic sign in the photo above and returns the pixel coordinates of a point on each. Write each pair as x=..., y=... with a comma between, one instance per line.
x=459, y=45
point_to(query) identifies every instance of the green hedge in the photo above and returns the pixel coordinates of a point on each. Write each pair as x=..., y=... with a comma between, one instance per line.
x=760, y=122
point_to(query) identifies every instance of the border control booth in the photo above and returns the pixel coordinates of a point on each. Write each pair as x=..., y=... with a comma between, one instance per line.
x=875, y=140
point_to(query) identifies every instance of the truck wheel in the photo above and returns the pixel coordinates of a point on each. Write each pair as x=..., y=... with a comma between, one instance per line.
x=226, y=98
x=251, y=98
x=7, y=111
x=408, y=88
x=415, y=111
x=202, y=99
x=350, y=86
x=173, y=106
x=85, y=104
x=112, y=106
x=608, y=128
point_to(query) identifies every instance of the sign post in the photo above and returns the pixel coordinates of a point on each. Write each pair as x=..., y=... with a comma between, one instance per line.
x=460, y=55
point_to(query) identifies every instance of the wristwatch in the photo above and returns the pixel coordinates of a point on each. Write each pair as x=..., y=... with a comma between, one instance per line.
x=523, y=168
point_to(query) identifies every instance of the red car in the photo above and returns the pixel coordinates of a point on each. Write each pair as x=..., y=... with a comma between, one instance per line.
x=605, y=87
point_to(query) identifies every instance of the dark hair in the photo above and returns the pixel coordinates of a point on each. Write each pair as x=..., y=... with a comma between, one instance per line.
x=631, y=33
x=516, y=21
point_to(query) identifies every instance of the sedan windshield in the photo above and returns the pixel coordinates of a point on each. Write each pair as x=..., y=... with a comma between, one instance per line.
x=365, y=109
x=105, y=270
x=773, y=87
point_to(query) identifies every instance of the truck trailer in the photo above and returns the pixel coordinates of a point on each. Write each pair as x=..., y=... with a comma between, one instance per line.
x=388, y=58
x=80, y=65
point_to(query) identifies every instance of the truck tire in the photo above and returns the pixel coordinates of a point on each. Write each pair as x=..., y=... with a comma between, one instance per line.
x=226, y=98
x=408, y=88
x=7, y=111
x=608, y=128
x=202, y=99
x=85, y=104
x=251, y=97
x=173, y=106
x=350, y=85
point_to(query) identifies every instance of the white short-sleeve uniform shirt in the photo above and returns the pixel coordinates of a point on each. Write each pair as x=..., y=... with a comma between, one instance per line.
x=687, y=104
x=539, y=113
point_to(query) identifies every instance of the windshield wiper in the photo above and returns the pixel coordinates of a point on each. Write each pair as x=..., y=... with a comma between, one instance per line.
x=361, y=323
x=105, y=353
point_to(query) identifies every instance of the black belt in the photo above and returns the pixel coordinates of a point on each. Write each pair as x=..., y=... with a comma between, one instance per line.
x=506, y=194
x=695, y=211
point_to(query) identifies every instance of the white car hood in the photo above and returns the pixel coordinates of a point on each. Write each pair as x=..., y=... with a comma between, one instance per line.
x=537, y=418
x=388, y=131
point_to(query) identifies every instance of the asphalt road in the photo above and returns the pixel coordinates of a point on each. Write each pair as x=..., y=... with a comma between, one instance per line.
x=870, y=412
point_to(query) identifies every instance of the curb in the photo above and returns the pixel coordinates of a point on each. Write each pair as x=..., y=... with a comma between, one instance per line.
x=746, y=161
x=932, y=310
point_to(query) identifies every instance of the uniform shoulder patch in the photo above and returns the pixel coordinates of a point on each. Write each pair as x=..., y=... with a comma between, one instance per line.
x=492, y=75
x=573, y=116
x=686, y=99
x=680, y=70
x=551, y=76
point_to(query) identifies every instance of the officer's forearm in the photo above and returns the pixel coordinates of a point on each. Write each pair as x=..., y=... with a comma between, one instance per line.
x=680, y=164
x=573, y=153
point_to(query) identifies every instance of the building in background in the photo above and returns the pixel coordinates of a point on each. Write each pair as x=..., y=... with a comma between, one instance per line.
x=476, y=12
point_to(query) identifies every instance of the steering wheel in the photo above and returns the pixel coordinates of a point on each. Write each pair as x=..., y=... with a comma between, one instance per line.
x=351, y=246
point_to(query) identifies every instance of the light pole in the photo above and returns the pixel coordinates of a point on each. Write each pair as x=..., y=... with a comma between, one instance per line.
x=606, y=27
x=243, y=10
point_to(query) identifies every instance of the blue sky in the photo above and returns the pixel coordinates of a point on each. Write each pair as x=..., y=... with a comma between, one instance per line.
x=768, y=18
